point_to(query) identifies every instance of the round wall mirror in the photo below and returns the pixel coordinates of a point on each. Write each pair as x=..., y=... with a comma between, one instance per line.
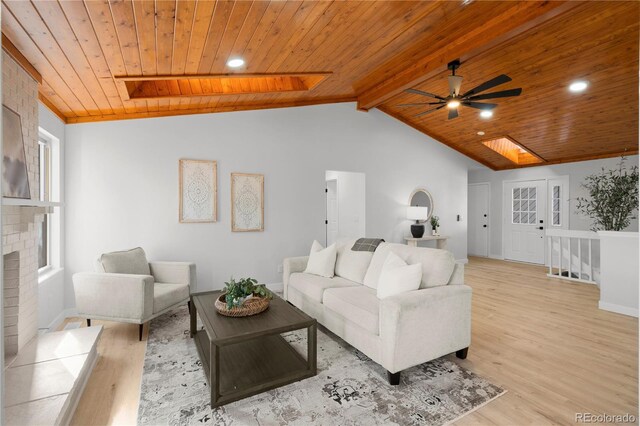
x=421, y=198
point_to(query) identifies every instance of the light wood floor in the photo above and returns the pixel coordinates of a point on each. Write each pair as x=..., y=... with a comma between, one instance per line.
x=543, y=340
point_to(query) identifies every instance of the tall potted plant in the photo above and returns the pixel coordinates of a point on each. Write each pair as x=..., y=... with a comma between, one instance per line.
x=613, y=197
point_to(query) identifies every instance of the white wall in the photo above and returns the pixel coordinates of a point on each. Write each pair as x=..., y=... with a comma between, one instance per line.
x=619, y=276
x=576, y=172
x=51, y=288
x=352, y=207
x=122, y=185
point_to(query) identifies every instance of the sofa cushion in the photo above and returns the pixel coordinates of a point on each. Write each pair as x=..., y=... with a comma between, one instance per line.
x=165, y=295
x=437, y=265
x=322, y=261
x=350, y=264
x=132, y=261
x=356, y=304
x=398, y=277
x=313, y=286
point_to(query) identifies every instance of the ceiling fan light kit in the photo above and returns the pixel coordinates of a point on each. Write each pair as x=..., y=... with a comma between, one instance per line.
x=469, y=98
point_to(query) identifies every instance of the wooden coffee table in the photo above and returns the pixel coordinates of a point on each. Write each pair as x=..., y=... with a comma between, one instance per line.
x=246, y=356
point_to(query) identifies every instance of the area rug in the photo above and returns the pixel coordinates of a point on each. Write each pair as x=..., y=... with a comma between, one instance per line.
x=349, y=389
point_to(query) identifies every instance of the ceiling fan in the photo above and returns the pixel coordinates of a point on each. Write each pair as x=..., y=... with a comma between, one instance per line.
x=468, y=99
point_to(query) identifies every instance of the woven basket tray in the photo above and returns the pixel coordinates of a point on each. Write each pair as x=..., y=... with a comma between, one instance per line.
x=253, y=306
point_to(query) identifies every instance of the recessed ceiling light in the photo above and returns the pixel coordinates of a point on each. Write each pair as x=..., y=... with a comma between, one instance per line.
x=235, y=62
x=578, y=86
x=453, y=104
x=486, y=114
x=480, y=133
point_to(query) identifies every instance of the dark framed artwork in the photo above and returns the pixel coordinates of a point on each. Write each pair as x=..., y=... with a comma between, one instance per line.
x=15, y=177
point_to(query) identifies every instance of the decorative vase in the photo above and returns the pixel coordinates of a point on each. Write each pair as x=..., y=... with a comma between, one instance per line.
x=434, y=231
x=417, y=230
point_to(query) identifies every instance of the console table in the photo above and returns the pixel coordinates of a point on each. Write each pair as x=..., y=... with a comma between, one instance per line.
x=441, y=240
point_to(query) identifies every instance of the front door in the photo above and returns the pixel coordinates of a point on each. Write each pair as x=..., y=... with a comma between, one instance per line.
x=525, y=220
x=478, y=239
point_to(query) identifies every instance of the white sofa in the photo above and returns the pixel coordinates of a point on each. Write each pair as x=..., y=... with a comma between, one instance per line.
x=127, y=288
x=397, y=332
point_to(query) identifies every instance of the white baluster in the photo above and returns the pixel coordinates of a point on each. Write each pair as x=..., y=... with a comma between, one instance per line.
x=570, y=258
x=580, y=258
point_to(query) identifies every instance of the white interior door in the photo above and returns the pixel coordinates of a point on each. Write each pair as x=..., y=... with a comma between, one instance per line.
x=332, y=212
x=525, y=220
x=478, y=235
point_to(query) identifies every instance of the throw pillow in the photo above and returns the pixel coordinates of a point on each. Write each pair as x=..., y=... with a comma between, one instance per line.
x=437, y=265
x=132, y=261
x=322, y=261
x=351, y=265
x=398, y=277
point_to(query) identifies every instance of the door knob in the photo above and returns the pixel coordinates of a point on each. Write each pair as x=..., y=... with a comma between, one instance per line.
x=541, y=228
x=484, y=226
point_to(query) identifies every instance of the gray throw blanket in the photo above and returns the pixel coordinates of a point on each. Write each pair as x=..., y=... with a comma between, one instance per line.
x=367, y=244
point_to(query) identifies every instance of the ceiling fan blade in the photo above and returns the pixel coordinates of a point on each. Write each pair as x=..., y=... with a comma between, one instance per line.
x=430, y=110
x=420, y=92
x=453, y=113
x=494, y=95
x=455, y=81
x=479, y=105
x=421, y=103
x=501, y=79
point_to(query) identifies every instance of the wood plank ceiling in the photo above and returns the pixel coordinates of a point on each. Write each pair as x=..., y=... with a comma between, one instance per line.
x=599, y=44
x=369, y=52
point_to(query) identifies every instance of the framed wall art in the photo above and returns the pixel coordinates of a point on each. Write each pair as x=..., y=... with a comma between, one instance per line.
x=15, y=178
x=247, y=202
x=198, y=191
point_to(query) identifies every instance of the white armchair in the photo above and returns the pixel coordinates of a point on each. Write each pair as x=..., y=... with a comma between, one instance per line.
x=127, y=288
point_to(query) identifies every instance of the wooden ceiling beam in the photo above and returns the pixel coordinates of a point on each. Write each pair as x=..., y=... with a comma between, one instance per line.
x=13, y=51
x=208, y=110
x=488, y=34
x=46, y=102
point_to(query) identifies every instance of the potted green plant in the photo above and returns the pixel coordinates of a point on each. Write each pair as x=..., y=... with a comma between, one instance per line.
x=613, y=197
x=243, y=297
x=435, y=225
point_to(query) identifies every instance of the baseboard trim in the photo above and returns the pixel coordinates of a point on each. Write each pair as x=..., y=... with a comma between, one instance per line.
x=60, y=319
x=618, y=309
x=463, y=261
x=276, y=287
x=496, y=256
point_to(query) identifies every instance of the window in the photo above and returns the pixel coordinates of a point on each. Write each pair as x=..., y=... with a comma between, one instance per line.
x=524, y=206
x=44, y=163
x=555, y=206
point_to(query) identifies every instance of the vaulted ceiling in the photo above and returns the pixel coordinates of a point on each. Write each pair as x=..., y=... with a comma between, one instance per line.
x=95, y=57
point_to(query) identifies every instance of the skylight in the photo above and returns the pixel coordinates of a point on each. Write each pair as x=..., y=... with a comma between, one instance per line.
x=512, y=151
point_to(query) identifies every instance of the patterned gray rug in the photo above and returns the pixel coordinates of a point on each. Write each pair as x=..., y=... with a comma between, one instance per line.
x=349, y=389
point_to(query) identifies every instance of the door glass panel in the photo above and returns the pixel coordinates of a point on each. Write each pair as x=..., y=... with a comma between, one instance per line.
x=524, y=206
x=555, y=206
